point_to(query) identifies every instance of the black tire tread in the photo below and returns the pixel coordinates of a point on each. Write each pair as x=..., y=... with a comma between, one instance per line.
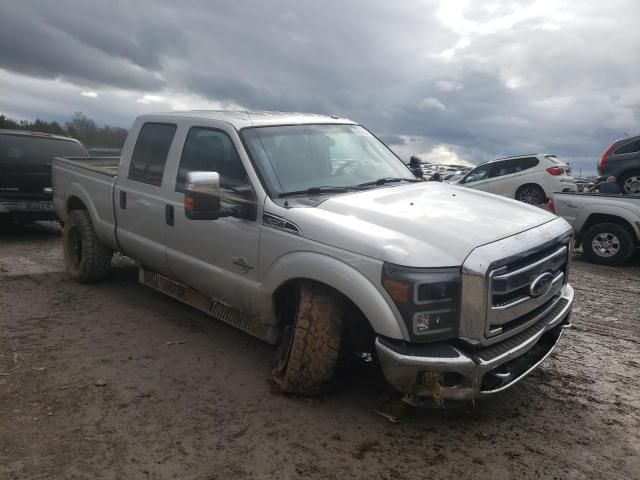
x=96, y=258
x=316, y=342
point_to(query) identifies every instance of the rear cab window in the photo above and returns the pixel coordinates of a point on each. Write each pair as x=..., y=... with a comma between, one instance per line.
x=150, y=153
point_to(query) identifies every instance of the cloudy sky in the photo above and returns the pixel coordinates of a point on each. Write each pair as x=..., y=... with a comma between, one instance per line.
x=450, y=80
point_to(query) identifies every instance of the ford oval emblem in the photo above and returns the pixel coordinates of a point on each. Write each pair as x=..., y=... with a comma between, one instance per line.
x=541, y=284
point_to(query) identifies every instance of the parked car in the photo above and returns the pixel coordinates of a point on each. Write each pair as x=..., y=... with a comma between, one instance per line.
x=25, y=172
x=606, y=226
x=246, y=217
x=528, y=178
x=621, y=159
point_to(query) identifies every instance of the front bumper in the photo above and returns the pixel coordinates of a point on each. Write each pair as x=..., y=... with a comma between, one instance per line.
x=466, y=373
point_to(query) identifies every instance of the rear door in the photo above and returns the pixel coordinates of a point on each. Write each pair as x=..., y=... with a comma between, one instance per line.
x=140, y=194
x=507, y=176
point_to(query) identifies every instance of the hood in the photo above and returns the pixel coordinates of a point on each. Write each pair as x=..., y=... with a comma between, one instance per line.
x=428, y=224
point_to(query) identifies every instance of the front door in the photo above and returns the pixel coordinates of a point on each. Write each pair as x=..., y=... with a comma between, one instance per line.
x=139, y=197
x=217, y=257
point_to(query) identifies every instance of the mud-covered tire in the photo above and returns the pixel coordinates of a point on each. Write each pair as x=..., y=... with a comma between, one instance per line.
x=87, y=260
x=310, y=342
x=608, y=244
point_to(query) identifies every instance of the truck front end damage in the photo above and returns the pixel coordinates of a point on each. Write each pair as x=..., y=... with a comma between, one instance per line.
x=513, y=305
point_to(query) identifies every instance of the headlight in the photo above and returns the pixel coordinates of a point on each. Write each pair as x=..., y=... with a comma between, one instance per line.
x=428, y=299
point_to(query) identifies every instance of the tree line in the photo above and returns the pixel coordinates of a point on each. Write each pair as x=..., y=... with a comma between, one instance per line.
x=79, y=127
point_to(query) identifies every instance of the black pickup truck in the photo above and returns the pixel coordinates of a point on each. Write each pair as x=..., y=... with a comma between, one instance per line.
x=25, y=172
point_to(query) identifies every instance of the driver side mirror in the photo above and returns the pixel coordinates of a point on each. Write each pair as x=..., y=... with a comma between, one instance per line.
x=202, y=196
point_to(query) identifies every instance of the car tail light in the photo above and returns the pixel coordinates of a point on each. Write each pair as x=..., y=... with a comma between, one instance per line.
x=555, y=170
x=551, y=206
x=602, y=163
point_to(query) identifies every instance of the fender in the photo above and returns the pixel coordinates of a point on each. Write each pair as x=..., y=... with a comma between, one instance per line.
x=614, y=210
x=354, y=285
x=105, y=227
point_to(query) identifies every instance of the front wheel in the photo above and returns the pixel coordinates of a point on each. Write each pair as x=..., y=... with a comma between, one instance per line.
x=607, y=244
x=86, y=258
x=310, y=342
x=531, y=194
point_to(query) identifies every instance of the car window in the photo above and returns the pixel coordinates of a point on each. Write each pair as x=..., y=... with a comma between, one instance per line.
x=631, y=147
x=209, y=150
x=35, y=149
x=150, y=153
x=507, y=167
x=477, y=174
x=531, y=162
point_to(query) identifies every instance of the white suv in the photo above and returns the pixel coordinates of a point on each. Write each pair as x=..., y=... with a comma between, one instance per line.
x=528, y=178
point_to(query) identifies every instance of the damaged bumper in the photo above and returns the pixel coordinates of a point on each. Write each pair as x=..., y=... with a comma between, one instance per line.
x=453, y=372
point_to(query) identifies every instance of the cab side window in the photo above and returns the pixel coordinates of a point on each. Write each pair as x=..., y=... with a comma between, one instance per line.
x=150, y=153
x=209, y=150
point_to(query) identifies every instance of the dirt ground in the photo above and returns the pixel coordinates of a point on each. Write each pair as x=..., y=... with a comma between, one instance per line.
x=115, y=380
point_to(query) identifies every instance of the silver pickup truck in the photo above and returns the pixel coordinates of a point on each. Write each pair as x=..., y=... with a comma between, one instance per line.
x=606, y=226
x=308, y=232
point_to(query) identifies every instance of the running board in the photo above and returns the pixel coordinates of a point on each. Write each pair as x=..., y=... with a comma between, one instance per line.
x=217, y=309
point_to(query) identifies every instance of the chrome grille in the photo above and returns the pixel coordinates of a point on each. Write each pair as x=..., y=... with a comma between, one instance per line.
x=511, y=300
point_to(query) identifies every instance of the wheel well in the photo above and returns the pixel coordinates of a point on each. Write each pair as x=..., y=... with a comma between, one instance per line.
x=531, y=185
x=357, y=334
x=74, y=203
x=596, y=218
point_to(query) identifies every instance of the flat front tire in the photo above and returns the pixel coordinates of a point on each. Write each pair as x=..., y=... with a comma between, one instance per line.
x=87, y=260
x=607, y=244
x=310, y=342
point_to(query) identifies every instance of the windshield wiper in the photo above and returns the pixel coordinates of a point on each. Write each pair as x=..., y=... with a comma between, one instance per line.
x=316, y=191
x=382, y=181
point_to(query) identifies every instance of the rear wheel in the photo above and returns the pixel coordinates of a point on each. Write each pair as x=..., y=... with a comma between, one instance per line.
x=630, y=183
x=310, y=342
x=607, y=244
x=531, y=194
x=86, y=258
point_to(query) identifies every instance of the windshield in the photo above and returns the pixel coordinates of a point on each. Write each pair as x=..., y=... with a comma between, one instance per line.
x=305, y=157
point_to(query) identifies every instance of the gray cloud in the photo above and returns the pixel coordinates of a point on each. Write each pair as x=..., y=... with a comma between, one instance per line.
x=481, y=79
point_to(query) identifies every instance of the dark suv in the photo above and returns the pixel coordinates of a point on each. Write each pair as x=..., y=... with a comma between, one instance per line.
x=622, y=160
x=25, y=172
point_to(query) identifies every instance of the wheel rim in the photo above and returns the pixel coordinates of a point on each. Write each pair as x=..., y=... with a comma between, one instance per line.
x=606, y=245
x=530, y=195
x=75, y=245
x=632, y=184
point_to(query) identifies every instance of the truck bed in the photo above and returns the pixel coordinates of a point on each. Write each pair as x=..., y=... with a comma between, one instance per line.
x=105, y=165
x=87, y=181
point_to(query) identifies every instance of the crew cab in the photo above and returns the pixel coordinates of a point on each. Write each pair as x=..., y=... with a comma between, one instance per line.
x=606, y=226
x=25, y=172
x=309, y=233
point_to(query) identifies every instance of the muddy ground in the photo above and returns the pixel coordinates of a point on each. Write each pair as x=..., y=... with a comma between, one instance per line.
x=91, y=386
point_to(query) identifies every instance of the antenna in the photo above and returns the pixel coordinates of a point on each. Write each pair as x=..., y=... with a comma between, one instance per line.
x=286, y=201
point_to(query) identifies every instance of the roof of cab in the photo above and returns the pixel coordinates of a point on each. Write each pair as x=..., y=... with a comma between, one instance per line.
x=240, y=118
